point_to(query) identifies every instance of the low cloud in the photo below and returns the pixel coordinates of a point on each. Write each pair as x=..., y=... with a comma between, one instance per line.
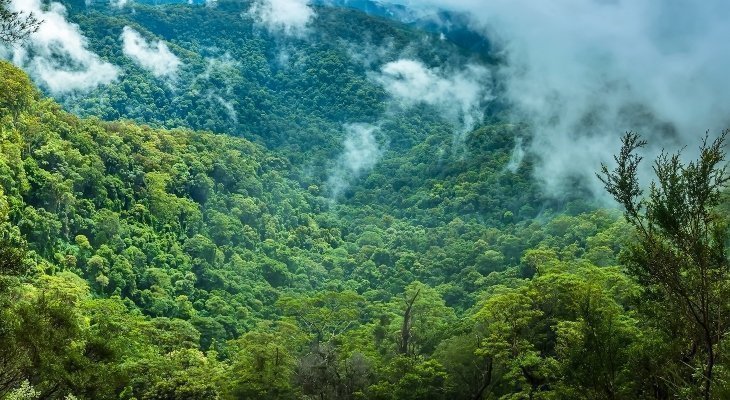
x=119, y=3
x=155, y=57
x=369, y=54
x=57, y=56
x=459, y=95
x=288, y=17
x=361, y=153
x=518, y=154
x=224, y=64
x=584, y=72
x=220, y=70
x=228, y=106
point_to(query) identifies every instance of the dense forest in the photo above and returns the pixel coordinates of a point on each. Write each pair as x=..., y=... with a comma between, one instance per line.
x=254, y=217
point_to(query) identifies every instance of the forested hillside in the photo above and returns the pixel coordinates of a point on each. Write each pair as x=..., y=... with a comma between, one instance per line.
x=289, y=92
x=257, y=217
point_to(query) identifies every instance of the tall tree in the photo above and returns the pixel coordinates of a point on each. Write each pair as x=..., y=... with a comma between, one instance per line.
x=16, y=25
x=679, y=255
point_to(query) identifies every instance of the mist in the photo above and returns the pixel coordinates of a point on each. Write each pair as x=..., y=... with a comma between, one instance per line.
x=515, y=160
x=228, y=106
x=57, y=56
x=119, y=3
x=361, y=153
x=584, y=72
x=220, y=68
x=155, y=57
x=287, y=17
x=458, y=95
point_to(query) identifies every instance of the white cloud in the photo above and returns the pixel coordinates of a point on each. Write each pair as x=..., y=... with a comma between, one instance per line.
x=584, y=71
x=518, y=154
x=221, y=69
x=370, y=55
x=57, y=56
x=290, y=17
x=228, y=106
x=154, y=57
x=459, y=95
x=119, y=3
x=361, y=153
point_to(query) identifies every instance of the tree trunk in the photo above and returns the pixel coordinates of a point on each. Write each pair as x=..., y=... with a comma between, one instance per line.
x=405, y=331
x=486, y=381
x=709, y=368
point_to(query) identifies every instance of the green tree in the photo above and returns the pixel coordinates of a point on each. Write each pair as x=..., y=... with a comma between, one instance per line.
x=17, y=93
x=326, y=314
x=412, y=378
x=679, y=253
x=263, y=362
x=470, y=372
x=423, y=319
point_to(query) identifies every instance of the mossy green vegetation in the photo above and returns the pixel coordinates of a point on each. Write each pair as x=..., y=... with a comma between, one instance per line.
x=149, y=258
x=156, y=247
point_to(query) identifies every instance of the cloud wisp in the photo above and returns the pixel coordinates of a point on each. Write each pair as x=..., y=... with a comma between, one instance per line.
x=515, y=160
x=585, y=71
x=155, y=57
x=221, y=69
x=459, y=95
x=57, y=56
x=361, y=153
x=287, y=17
x=119, y=3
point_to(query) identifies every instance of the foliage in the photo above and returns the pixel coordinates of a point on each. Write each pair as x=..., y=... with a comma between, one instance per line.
x=140, y=259
x=16, y=25
x=680, y=254
x=178, y=264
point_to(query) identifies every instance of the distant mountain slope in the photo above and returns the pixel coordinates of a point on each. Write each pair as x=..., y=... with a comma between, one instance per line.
x=455, y=27
x=150, y=215
x=240, y=79
x=295, y=95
